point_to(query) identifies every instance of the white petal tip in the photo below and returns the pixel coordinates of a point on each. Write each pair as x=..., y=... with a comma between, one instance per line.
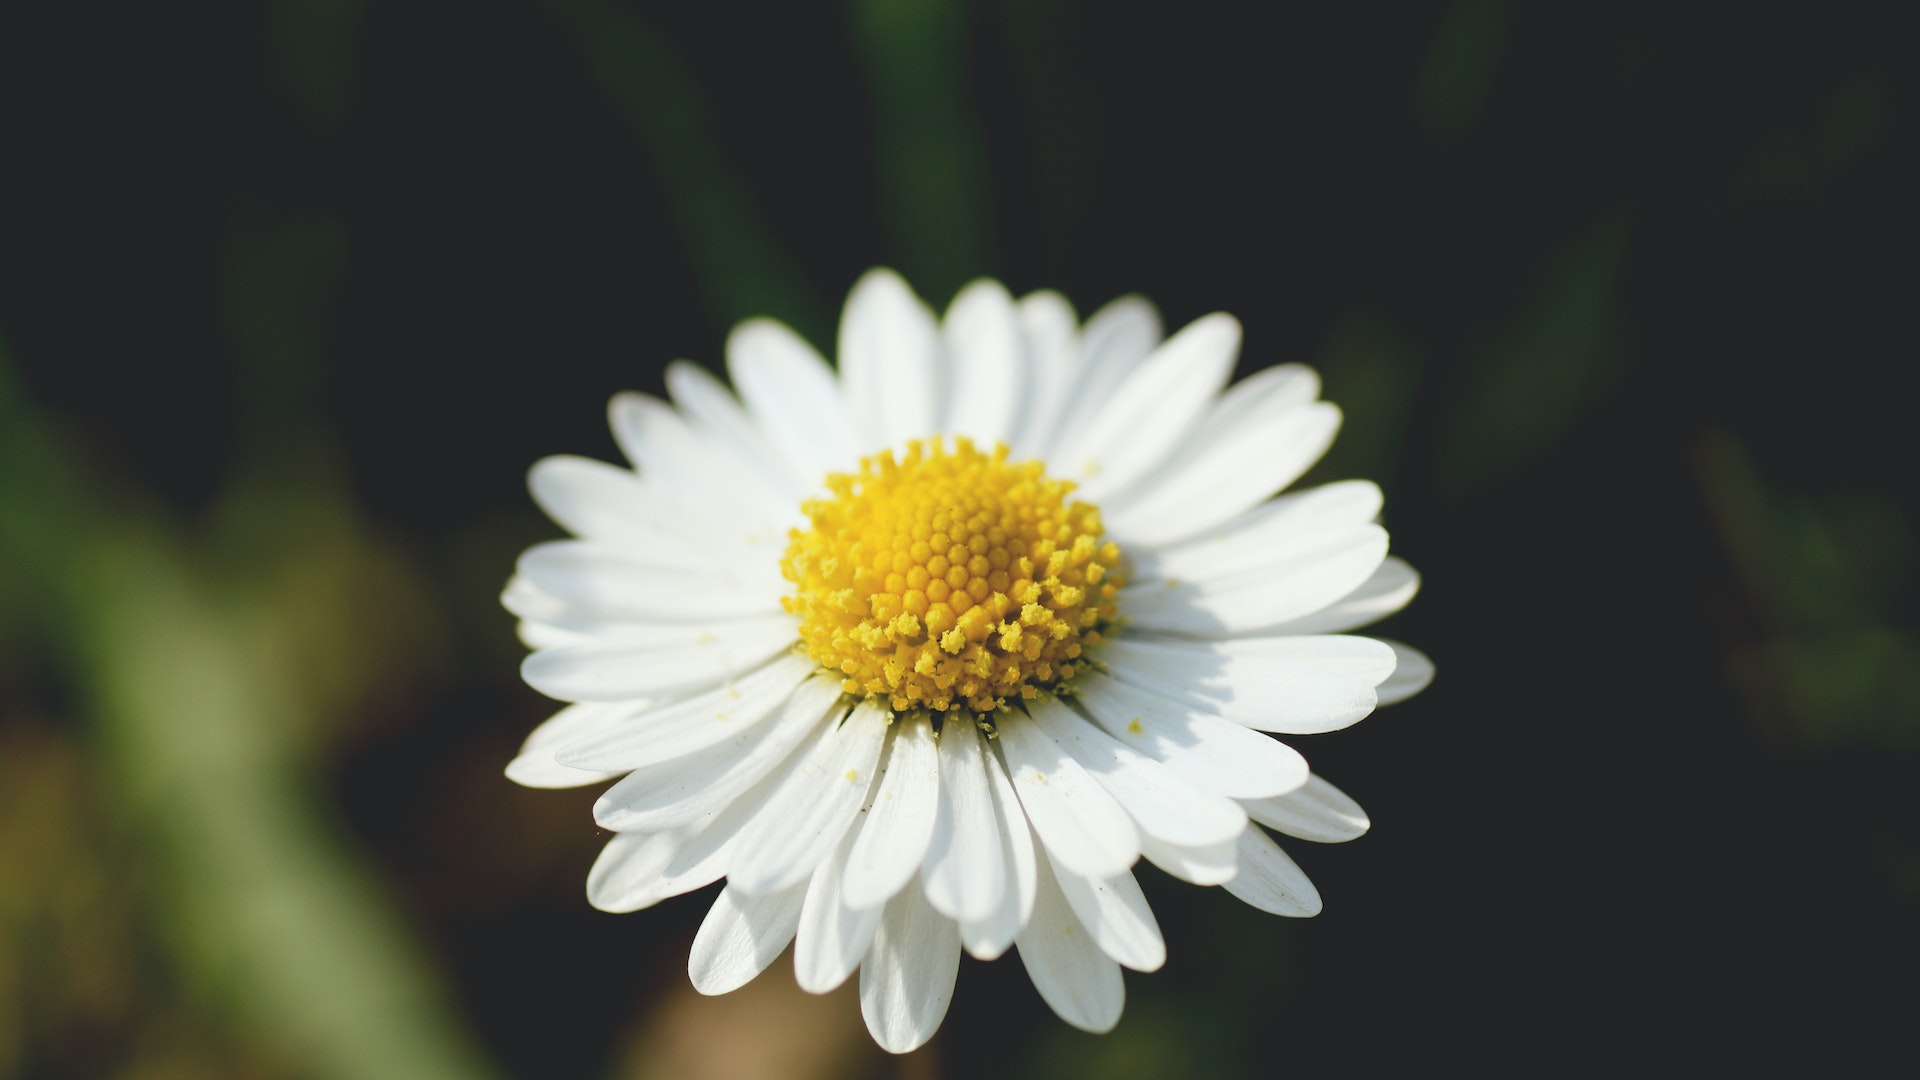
x=987, y=951
x=901, y=1043
x=539, y=770
x=881, y=277
x=715, y=987
x=820, y=985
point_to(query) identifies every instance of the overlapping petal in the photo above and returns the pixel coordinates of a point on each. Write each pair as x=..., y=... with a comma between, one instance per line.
x=898, y=827
x=966, y=872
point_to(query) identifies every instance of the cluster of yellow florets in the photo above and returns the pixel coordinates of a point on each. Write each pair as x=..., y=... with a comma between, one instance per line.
x=947, y=580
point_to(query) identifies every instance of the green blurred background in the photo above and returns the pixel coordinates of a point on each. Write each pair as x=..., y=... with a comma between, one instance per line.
x=291, y=294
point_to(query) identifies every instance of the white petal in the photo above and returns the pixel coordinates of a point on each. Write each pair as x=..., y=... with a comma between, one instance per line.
x=535, y=634
x=987, y=938
x=707, y=854
x=1258, y=438
x=1318, y=812
x=791, y=395
x=659, y=733
x=1211, y=753
x=657, y=660
x=1116, y=915
x=679, y=791
x=889, y=361
x=596, y=500
x=1159, y=801
x=646, y=521
x=1270, y=880
x=1260, y=401
x=832, y=938
x=985, y=353
x=1074, y=816
x=717, y=413
x=1411, y=674
x=965, y=871
x=655, y=440
x=1291, y=585
x=665, y=448
x=629, y=875
x=1293, y=523
x=1387, y=591
x=1294, y=685
x=534, y=604
x=701, y=851
x=1210, y=865
x=1228, y=477
x=629, y=868
x=1050, y=330
x=799, y=826
x=907, y=980
x=740, y=937
x=631, y=872
x=608, y=582
x=1079, y=982
x=535, y=767
x=1154, y=410
x=1116, y=340
x=894, y=834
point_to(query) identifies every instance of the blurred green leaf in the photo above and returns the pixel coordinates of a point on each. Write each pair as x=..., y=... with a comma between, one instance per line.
x=1459, y=70
x=741, y=270
x=932, y=165
x=279, y=283
x=1825, y=660
x=314, y=43
x=1372, y=372
x=1558, y=355
x=199, y=721
x=1800, y=157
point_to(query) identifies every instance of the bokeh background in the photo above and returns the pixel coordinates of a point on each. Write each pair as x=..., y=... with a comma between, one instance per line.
x=1614, y=297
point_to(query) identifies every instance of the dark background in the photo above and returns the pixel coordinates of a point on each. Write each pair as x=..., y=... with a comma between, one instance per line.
x=1613, y=296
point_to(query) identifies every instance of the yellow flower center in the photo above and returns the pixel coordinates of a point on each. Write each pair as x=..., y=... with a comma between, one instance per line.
x=949, y=579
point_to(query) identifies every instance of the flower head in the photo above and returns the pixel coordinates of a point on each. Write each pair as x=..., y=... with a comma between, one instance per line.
x=924, y=655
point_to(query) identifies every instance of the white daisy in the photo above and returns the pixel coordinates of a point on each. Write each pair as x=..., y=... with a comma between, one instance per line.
x=922, y=656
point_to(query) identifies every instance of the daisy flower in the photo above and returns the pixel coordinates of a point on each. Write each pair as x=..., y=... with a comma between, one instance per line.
x=924, y=655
